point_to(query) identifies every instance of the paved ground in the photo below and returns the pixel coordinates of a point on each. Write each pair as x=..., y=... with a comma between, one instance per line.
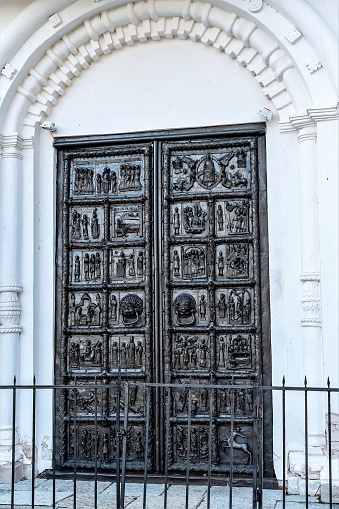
x=176, y=497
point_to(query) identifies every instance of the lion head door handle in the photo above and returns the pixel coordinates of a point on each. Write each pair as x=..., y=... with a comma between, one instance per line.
x=131, y=307
x=185, y=308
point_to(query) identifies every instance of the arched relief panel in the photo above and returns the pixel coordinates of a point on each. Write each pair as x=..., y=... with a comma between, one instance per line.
x=124, y=26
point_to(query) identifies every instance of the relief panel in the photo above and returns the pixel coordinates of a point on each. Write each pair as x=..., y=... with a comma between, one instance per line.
x=126, y=222
x=127, y=265
x=114, y=177
x=86, y=224
x=85, y=353
x=190, y=308
x=234, y=306
x=127, y=352
x=85, y=309
x=86, y=266
x=189, y=262
x=225, y=169
x=191, y=352
x=234, y=261
x=126, y=309
x=88, y=400
x=189, y=219
x=235, y=351
x=233, y=217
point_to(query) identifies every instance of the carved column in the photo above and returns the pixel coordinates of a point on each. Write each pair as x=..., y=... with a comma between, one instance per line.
x=310, y=273
x=10, y=287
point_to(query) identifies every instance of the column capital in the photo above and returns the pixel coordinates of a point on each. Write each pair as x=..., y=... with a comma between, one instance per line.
x=308, y=119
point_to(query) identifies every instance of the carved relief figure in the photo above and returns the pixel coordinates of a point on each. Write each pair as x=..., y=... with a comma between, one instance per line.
x=123, y=355
x=138, y=354
x=224, y=400
x=176, y=221
x=85, y=312
x=139, y=448
x=237, y=260
x=194, y=263
x=83, y=181
x=74, y=355
x=183, y=358
x=176, y=264
x=115, y=353
x=203, y=348
x=77, y=269
x=113, y=308
x=121, y=265
x=131, y=266
x=203, y=444
x=220, y=218
x=86, y=266
x=221, y=360
x=194, y=443
x=131, y=352
x=221, y=264
x=222, y=306
x=239, y=352
x=185, y=168
x=202, y=308
x=140, y=264
x=181, y=442
x=239, y=306
x=130, y=175
x=105, y=447
x=194, y=219
x=127, y=223
x=76, y=226
x=85, y=222
x=203, y=398
x=237, y=217
x=95, y=227
x=97, y=266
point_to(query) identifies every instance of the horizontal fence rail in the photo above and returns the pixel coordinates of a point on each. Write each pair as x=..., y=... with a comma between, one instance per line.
x=223, y=445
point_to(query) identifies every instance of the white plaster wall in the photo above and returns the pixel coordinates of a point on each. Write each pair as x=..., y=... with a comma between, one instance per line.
x=161, y=85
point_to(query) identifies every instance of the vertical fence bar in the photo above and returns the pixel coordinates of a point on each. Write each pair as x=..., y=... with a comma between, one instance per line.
x=13, y=439
x=209, y=451
x=117, y=426
x=54, y=398
x=148, y=410
x=306, y=443
x=261, y=446
x=329, y=438
x=124, y=448
x=167, y=394
x=188, y=455
x=96, y=444
x=33, y=436
x=75, y=448
x=231, y=449
x=283, y=393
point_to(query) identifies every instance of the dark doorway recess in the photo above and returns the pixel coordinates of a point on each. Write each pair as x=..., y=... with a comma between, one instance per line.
x=162, y=276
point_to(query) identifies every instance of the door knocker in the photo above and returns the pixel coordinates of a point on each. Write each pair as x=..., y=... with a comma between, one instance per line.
x=185, y=308
x=131, y=307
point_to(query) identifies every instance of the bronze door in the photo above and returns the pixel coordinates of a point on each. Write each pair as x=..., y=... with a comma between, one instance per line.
x=160, y=268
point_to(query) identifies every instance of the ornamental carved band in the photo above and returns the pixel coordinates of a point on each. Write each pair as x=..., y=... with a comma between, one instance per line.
x=310, y=300
x=10, y=308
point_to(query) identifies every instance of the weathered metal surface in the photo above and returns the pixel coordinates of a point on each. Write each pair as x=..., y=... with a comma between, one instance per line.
x=160, y=280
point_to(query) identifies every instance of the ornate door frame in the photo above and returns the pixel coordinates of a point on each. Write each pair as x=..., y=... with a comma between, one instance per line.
x=213, y=150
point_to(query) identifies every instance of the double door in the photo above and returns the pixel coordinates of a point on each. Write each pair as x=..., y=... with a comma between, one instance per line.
x=161, y=271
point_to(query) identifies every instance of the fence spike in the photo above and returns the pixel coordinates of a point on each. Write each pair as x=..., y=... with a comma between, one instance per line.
x=328, y=382
x=34, y=380
x=283, y=380
x=305, y=381
x=14, y=380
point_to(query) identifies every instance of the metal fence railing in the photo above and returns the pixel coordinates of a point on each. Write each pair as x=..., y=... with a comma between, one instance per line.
x=224, y=444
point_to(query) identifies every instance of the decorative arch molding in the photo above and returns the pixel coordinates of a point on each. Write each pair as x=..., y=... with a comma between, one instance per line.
x=112, y=29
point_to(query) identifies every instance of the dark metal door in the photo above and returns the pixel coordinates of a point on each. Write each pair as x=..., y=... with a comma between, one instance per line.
x=160, y=280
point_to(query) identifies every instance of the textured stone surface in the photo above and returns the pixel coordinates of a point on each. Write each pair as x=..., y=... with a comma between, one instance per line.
x=40, y=498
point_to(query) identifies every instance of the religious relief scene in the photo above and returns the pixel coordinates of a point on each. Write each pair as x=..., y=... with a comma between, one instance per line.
x=196, y=404
x=127, y=353
x=127, y=264
x=126, y=309
x=238, y=399
x=191, y=352
x=234, y=306
x=126, y=222
x=189, y=219
x=86, y=224
x=85, y=353
x=234, y=261
x=233, y=217
x=190, y=308
x=226, y=168
x=136, y=401
x=189, y=262
x=86, y=266
x=90, y=444
x=199, y=445
x=113, y=178
x=85, y=309
x=89, y=401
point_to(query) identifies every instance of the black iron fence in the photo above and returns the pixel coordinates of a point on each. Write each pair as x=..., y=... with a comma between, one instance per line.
x=205, y=434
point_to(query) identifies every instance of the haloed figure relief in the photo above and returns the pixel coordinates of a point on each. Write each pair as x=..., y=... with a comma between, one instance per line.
x=158, y=269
